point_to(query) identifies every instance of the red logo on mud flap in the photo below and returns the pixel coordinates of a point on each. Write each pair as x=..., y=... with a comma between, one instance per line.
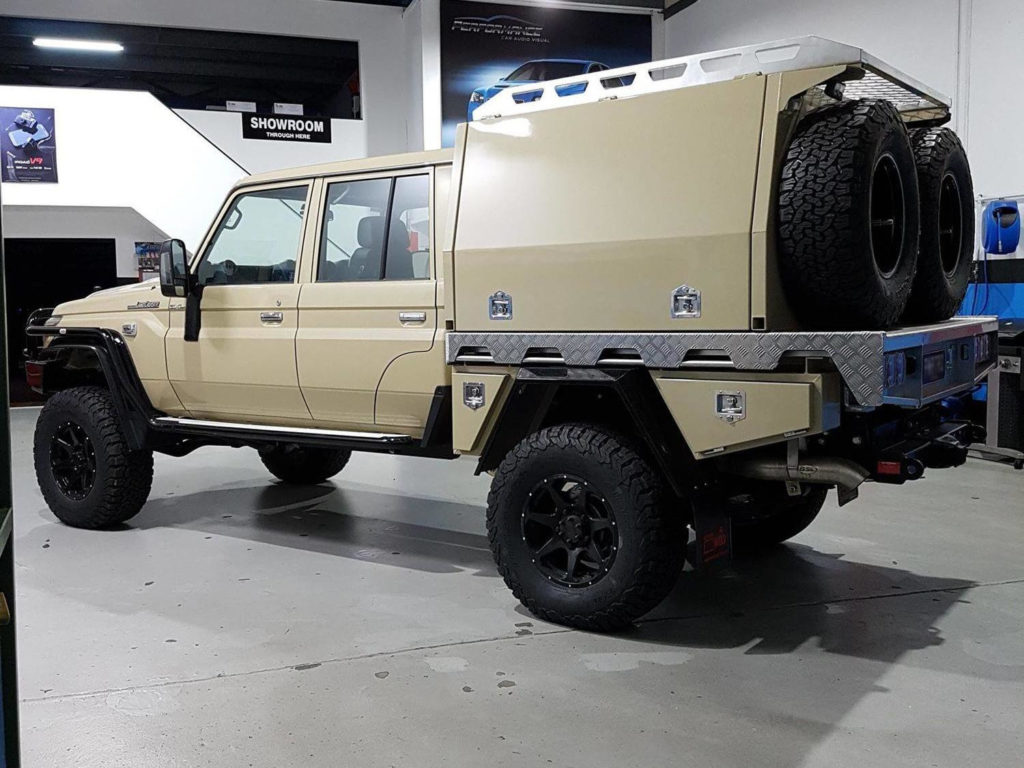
x=714, y=544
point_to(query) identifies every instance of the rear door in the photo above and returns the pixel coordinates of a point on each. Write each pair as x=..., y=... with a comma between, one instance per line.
x=243, y=365
x=370, y=300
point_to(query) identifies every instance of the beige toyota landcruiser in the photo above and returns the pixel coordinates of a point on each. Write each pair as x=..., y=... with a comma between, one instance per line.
x=697, y=293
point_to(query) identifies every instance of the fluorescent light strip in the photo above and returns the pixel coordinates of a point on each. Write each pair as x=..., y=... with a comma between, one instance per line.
x=96, y=46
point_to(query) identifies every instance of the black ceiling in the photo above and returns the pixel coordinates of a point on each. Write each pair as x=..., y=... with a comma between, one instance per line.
x=185, y=67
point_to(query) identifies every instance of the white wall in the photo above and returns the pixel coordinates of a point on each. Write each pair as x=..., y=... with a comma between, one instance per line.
x=995, y=68
x=152, y=162
x=968, y=49
x=383, y=67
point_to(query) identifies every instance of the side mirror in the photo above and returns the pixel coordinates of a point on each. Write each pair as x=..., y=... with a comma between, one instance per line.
x=175, y=279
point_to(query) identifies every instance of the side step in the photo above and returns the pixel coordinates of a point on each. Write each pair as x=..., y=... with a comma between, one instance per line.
x=232, y=430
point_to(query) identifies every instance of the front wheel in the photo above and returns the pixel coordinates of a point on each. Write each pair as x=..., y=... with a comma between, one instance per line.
x=89, y=476
x=304, y=466
x=581, y=530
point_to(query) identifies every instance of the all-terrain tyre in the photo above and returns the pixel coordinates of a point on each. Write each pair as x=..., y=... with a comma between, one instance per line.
x=304, y=466
x=767, y=515
x=88, y=475
x=581, y=528
x=946, y=248
x=848, y=217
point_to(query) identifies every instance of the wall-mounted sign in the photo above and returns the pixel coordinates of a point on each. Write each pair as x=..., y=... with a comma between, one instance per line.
x=28, y=145
x=148, y=255
x=284, y=128
x=486, y=47
x=285, y=108
x=240, y=106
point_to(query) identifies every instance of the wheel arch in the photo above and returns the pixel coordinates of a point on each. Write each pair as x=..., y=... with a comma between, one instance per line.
x=97, y=356
x=625, y=401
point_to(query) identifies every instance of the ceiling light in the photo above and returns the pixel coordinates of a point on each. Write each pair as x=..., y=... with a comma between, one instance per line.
x=65, y=44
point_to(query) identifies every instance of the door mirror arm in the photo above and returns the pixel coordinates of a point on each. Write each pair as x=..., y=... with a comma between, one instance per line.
x=176, y=281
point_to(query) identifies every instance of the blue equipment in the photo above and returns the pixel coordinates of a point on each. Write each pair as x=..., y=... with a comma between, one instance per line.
x=1001, y=226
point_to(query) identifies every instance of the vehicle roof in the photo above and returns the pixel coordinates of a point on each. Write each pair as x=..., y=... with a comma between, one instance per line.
x=560, y=61
x=363, y=165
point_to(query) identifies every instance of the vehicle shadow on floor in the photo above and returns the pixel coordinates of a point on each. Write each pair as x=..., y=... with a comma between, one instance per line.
x=777, y=601
x=323, y=519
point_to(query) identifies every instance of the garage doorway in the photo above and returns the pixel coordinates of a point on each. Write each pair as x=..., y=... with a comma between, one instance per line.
x=43, y=273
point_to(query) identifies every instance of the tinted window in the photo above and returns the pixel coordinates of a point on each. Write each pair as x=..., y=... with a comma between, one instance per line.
x=258, y=239
x=353, y=234
x=409, y=231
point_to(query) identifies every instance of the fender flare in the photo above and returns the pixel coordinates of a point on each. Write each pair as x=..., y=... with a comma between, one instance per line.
x=533, y=393
x=115, y=361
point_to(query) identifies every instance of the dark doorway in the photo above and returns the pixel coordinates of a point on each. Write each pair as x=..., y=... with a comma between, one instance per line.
x=43, y=273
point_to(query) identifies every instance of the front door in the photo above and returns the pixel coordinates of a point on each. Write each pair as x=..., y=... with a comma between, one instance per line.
x=370, y=306
x=242, y=368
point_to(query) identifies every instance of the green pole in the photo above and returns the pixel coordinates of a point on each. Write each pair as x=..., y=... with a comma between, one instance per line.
x=11, y=755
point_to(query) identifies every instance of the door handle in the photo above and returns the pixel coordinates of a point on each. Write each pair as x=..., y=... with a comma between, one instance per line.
x=412, y=317
x=271, y=318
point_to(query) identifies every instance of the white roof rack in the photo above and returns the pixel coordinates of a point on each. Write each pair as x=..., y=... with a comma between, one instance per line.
x=914, y=99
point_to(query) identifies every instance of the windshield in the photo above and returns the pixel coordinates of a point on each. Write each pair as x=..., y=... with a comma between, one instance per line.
x=535, y=71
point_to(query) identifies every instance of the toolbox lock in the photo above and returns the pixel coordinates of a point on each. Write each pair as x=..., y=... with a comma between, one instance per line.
x=685, y=302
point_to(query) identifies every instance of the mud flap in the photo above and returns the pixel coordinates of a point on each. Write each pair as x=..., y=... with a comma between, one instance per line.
x=713, y=526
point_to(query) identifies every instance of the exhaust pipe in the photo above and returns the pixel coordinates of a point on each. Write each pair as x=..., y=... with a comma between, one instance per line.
x=845, y=474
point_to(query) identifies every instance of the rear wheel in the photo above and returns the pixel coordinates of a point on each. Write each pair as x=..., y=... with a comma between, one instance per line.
x=848, y=217
x=304, y=466
x=766, y=515
x=580, y=528
x=88, y=475
x=947, y=225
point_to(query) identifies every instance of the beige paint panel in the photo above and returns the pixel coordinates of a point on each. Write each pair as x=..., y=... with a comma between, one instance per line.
x=591, y=216
x=468, y=431
x=161, y=394
x=146, y=347
x=773, y=408
x=240, y=367
x=406, y=390
x=349, y=333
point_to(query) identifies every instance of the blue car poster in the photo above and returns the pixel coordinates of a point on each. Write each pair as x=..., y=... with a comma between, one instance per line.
x=28, y=143
x=486, y=47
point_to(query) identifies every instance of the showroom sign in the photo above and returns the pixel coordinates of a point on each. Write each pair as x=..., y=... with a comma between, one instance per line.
x=286, y=128
x=28, y=145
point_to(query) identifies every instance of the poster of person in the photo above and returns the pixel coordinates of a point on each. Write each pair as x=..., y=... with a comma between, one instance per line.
x=486, y=47
x=28, y=144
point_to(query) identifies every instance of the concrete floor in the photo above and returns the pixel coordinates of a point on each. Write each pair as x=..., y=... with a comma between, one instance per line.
x=237, y=622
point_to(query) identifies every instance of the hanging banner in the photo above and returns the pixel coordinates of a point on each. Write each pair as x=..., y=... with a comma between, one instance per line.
x=286, y=128
x=28, y=145
x=488, y=46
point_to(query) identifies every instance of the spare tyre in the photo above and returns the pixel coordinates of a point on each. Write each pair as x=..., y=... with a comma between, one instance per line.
x=946, y=248
x=848, y=217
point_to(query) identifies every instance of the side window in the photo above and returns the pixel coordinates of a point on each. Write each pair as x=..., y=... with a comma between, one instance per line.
x=409, y=230
x=358, y=229
x=258, y=239
x=352, y=243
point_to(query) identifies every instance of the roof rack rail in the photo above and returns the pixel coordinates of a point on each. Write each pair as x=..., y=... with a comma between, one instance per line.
x=913, y=99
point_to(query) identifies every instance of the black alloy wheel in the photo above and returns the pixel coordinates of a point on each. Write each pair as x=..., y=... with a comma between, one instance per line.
x=73, y=461
x=951, y=224
x=570, y=531
x=888, y=215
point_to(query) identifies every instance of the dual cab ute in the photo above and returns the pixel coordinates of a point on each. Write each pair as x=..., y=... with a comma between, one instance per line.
x=696, y=293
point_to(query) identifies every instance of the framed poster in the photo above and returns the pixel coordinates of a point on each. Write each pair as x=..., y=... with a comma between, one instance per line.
x=488, y=46
x=28, y=144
